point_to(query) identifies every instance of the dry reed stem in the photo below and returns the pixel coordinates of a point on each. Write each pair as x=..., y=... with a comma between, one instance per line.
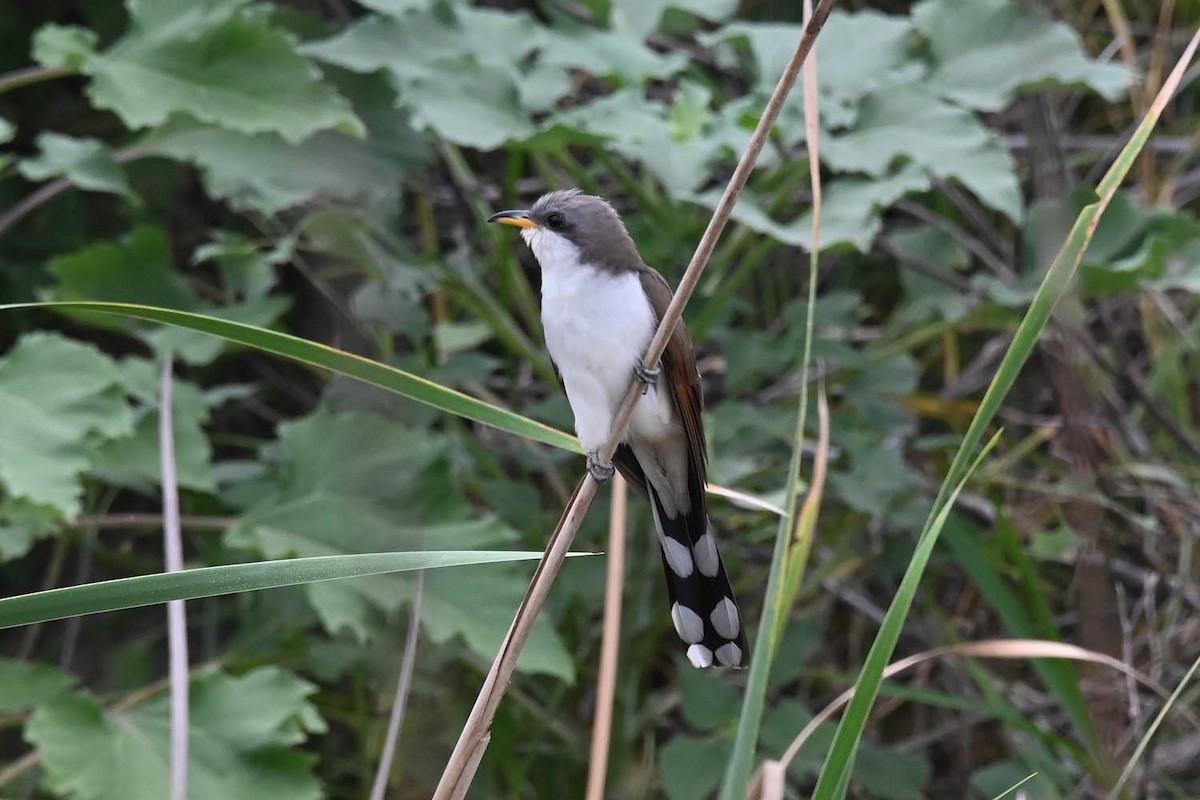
x=610, y=642
x=387, y=754
x=459, y=771
x=177, y=644
x=991, y=648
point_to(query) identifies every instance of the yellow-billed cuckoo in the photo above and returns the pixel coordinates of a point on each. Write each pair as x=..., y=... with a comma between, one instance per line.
x=600, y=307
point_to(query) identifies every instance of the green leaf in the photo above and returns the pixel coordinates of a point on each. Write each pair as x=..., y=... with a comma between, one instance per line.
x=84, y=162
x=857, y=53
x=22, y=522
x=7, y=131
x=242, y=729
x=266, y=173
x=911, y=122
x=136, y=269
x=607, y=54
x=24, y=684
x=394, y=380
x=189, y=584
x=851, y=213
x=478, y=605
x=690, y=768
x=134, y=461
x=387, y=479
x=139, y=269
x=986, y=51
x=56, y=396
x=637, y=19
x=63, y=46
x=467, y=103
x=220, y=65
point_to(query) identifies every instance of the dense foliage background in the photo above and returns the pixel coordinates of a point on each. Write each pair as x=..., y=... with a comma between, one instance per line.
x=324, y=168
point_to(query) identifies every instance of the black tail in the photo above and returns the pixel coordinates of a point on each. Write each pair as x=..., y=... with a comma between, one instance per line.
x=703, y=607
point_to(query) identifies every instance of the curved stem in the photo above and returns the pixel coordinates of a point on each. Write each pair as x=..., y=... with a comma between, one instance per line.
x=20, y=78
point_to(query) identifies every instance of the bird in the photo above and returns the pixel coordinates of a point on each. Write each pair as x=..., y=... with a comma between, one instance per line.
x=600, y=306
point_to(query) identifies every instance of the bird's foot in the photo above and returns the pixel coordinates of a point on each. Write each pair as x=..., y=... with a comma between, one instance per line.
x=647, y=376
x=601, y=472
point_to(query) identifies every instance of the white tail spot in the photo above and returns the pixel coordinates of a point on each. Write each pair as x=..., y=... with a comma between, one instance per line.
x=679, y=556
x=688, y=624
x=729, y=655
x=705, y=551
x=700, y=656
x=725, y=619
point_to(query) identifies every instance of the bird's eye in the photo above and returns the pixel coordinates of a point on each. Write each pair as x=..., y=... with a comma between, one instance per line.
x=554, y=220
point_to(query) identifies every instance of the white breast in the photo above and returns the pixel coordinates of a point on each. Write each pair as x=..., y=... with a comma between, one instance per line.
x=597, y=327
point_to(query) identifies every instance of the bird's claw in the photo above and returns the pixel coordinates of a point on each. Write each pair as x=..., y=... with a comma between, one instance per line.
x=599, y=471
x=647, y=376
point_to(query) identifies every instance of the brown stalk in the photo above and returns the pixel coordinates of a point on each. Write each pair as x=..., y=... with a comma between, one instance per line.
x=468, y=751
x=610, y=642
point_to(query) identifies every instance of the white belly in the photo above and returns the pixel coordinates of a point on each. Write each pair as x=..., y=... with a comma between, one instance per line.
x=597, y=327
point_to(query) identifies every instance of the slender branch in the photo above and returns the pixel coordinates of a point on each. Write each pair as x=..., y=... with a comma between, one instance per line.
x=54, y=188
x=469, y=750
x=400, y=702
x=610, y=643
x=142, y=520
x=20, y=78
x=176, y=616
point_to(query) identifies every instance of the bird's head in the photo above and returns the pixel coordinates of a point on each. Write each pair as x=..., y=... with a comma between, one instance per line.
x=572, y=227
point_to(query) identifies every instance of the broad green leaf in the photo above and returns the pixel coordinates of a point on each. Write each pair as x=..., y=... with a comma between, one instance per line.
x=467, y=103
x=985, y=51
x=297, y=349
x=134, y=461
x=57, y=397
x=637, y=19
x=608, y=54
x=950, y=142
x=478, y=605
x=266, y=173
x=241, y=734
x=7, y=131
x=690, y=768
x=220, y=65
x=139, y=268
x=639, y=130
x=25, y=684
x=86, y=163
x=63, y=46
x=22, y=522
x=851, y=213
x=857, y=53
x=147, y=590
x=418, y=44
x=391, y=488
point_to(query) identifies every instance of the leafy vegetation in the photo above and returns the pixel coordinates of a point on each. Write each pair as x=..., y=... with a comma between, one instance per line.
x=288, y=198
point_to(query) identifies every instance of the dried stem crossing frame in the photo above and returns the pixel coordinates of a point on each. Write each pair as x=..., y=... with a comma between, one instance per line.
x=460, y=769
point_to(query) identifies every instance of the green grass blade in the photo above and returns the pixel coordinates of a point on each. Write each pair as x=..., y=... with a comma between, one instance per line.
x=839, y=763
x=403, y=383
x=145, y=590
x=835, y=776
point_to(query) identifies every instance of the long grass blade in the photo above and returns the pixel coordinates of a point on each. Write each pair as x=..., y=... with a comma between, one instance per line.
x=403, y=383
x=145, y=590
x=835, y=776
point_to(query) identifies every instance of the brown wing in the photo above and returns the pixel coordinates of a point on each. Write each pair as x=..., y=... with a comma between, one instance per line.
x=679, y=371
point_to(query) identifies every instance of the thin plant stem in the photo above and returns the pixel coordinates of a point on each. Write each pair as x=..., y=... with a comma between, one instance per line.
x=610, y=642
x=403, y=685
x=459, y=771
x=176, y=616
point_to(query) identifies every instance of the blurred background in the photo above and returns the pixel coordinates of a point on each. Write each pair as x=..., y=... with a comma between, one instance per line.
x=325, y=167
